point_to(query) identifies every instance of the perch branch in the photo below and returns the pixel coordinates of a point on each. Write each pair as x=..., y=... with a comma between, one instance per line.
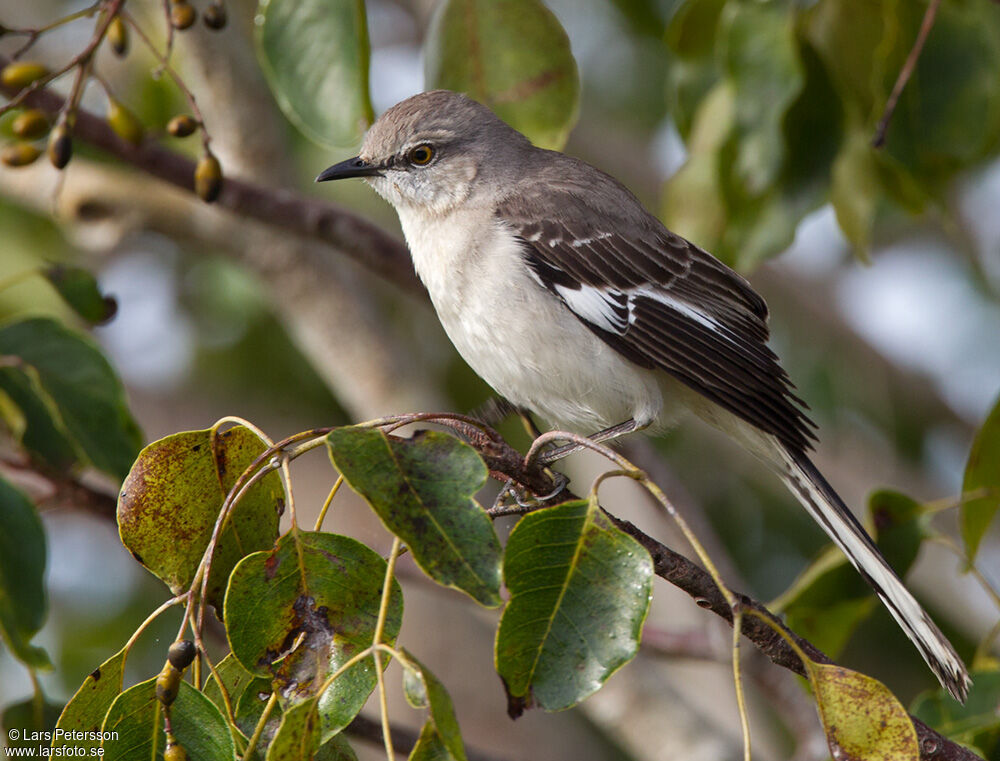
x=506, y=463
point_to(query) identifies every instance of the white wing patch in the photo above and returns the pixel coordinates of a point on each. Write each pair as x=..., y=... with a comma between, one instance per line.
x=668, y=299
x=603, y=308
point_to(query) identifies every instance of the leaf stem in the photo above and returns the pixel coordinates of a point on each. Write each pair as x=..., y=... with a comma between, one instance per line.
x=741, y=702
x=152, y=617
x=164, y=60
x=383, y=612
x=261, y=723
x=329, y=499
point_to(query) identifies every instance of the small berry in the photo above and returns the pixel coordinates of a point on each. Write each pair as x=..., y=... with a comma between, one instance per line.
x=215, y=16
x=124, y=123
x=118, y=36
x=19, y=154
x=31, y=124
x=181, y=654
x=182, y=125
x=60, y=146
x=183, y=15
x=20, y=74
x=208, y=178
x=174, y=752
x=168, y=684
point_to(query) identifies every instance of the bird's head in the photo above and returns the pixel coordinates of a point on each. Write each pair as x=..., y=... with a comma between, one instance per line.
x=434, y=151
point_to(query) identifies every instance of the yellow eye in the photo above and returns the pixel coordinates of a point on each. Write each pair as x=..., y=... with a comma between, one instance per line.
x=421, y=155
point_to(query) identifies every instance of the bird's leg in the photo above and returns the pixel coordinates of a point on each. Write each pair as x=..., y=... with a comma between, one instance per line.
x=529, y=423
x=629, y=426
x=522, y=499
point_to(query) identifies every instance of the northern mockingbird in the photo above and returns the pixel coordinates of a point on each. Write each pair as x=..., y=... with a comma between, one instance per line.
x=571, y=300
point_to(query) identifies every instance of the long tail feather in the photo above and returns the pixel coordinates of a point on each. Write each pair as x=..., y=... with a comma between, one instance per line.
x=827, y=509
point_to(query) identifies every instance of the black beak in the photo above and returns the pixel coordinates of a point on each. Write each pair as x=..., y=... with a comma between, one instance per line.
x=356, y=167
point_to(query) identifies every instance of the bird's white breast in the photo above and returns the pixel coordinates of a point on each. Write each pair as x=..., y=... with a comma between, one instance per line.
x=518, y=336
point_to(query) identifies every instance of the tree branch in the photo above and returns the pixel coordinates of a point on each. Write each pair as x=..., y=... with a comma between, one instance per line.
x=50, y=488
x=364, y=242
x=673, y=567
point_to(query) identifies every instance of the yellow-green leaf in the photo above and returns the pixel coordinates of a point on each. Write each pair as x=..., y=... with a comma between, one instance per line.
x=861, y=718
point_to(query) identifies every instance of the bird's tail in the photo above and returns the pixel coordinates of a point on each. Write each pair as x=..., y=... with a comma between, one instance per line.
x=827, y=509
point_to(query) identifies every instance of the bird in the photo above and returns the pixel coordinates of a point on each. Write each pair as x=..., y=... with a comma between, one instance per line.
x=572, y=301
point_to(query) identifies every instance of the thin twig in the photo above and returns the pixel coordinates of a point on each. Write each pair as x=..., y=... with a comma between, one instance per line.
x=905, y=73
x=35, y=33
x=81, y=59
x=165, y=66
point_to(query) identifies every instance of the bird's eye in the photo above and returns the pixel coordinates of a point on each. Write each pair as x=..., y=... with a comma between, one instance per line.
x=421, y=155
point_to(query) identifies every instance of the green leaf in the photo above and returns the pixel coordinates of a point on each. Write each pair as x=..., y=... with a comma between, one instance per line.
x=900, y=527
x=861, y=717
x=945, y=119
x=171, y=499
x=856, y=189
x=85, y=390
x=694, y=70
x=976, y=723
x=322, y=596
x=250, y=706
x=79, y=290
x=442, y=719
x=422, y=489
x=337, y=748
x=760, y=58
x=234, y=678
x=23, y=601
x=86, y=710
x=511, y=55
x=761, y=226
x=315, y=55
x=298, y=735
x=137, y=717
x=693, y=204
x=829, y=600
x=298, y=738
x=34, y=420
x=33, y=724
x=580, y=591
x=430, y=746
x=981, y=484
x=692, y=30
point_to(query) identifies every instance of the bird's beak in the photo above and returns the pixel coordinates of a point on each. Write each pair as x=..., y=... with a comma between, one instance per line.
x=356, y=167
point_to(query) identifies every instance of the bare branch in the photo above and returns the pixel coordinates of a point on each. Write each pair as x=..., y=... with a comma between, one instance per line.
x=50, y=489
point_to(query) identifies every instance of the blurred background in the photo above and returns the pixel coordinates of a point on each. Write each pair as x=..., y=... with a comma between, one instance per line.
x=892, y=335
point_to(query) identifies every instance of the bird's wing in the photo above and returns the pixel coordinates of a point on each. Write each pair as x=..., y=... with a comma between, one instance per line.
x=658, y=300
